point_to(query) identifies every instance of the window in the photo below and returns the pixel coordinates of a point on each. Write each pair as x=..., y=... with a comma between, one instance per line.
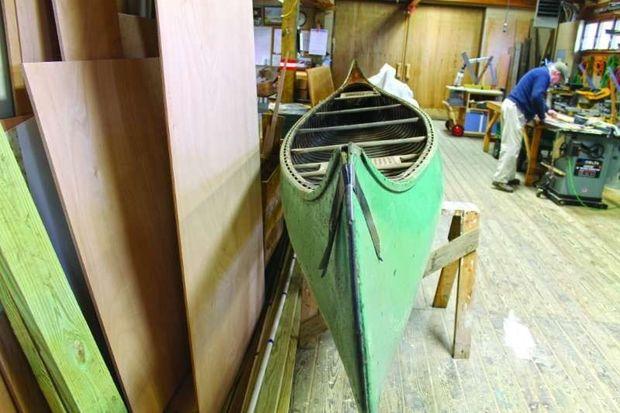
x=602, y=43
x=598, y=35
x=615, y=40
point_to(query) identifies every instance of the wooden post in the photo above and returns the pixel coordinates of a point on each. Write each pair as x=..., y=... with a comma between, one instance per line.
x=448, y=273
x=465, y=286
x=530, y=173
x=290, y=11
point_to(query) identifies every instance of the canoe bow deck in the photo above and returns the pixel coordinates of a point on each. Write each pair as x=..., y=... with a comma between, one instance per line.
x=362, y=190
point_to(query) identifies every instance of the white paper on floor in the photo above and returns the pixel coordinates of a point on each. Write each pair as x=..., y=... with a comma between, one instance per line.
x=518, y=337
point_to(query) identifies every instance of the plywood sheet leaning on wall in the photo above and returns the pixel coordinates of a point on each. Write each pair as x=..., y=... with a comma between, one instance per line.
x=104, y=132
x=214, y=150
x=497, y=43
x=88, y=29
x=35, y=291
x=37, y=31
x=565, y=42
x=30, y=37
x=138, y=36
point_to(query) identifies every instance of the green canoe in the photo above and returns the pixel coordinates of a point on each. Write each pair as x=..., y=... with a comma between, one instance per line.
x=362, y=189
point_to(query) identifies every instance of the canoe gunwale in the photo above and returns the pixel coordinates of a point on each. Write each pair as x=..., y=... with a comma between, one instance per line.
x=405, y=181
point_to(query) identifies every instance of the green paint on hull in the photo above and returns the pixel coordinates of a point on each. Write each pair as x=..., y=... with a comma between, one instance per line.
x=367, y=290
x=365, y=301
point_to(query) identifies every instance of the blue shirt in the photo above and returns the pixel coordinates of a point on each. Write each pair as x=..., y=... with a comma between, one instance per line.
x=529, y=93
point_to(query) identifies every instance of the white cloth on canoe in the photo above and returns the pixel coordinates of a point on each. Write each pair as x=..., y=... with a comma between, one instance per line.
x=386, y=80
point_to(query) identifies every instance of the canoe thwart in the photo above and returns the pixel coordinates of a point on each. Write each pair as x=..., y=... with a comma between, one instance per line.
x=368, y=144
x=359, y=125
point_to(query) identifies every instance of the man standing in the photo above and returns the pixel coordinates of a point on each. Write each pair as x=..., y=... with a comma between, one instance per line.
x=526, y=101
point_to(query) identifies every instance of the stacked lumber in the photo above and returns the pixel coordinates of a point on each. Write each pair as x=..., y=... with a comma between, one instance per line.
x=139, y=209
x=41, y=308
x=266, y=378
x=271, y=379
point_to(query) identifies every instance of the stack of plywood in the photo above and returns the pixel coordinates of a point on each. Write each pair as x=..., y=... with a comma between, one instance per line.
x=155, y=168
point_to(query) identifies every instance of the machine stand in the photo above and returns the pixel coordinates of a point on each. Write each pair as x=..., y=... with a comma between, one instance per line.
x=559, y=199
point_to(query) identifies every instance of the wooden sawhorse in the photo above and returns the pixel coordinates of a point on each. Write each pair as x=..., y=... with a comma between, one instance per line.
x=457, y=261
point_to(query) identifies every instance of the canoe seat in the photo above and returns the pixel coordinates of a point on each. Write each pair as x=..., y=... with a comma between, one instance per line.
x=383, y=163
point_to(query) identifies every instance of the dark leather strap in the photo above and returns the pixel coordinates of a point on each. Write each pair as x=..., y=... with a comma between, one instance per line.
x=346, y=179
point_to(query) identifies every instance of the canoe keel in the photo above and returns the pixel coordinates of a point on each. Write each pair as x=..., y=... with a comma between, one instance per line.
x=365, y=267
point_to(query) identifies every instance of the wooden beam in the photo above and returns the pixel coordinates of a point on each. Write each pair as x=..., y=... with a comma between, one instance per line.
x=290, y=11
x=464, y=292
x=37, y=285
x=517, y=4
x=448, y=272
x=450, y=253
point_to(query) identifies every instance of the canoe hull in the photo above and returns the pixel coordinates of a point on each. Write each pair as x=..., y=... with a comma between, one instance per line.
x=367, y=290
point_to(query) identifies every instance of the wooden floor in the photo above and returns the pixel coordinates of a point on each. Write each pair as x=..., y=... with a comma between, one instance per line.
x=547, y=323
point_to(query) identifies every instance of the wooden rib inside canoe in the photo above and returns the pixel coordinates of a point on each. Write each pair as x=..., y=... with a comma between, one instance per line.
x=359, y=113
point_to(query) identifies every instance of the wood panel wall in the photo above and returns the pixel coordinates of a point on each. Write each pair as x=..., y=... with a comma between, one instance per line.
x=437, y=37
x=371, y=32
x=376, y=33
x=497, y=43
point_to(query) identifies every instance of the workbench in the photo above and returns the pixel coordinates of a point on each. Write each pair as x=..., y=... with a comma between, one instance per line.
x=495, y=111
x=456, y=113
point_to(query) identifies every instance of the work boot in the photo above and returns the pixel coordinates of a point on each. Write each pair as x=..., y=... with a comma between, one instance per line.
x=514, y=182
x=503, y=187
